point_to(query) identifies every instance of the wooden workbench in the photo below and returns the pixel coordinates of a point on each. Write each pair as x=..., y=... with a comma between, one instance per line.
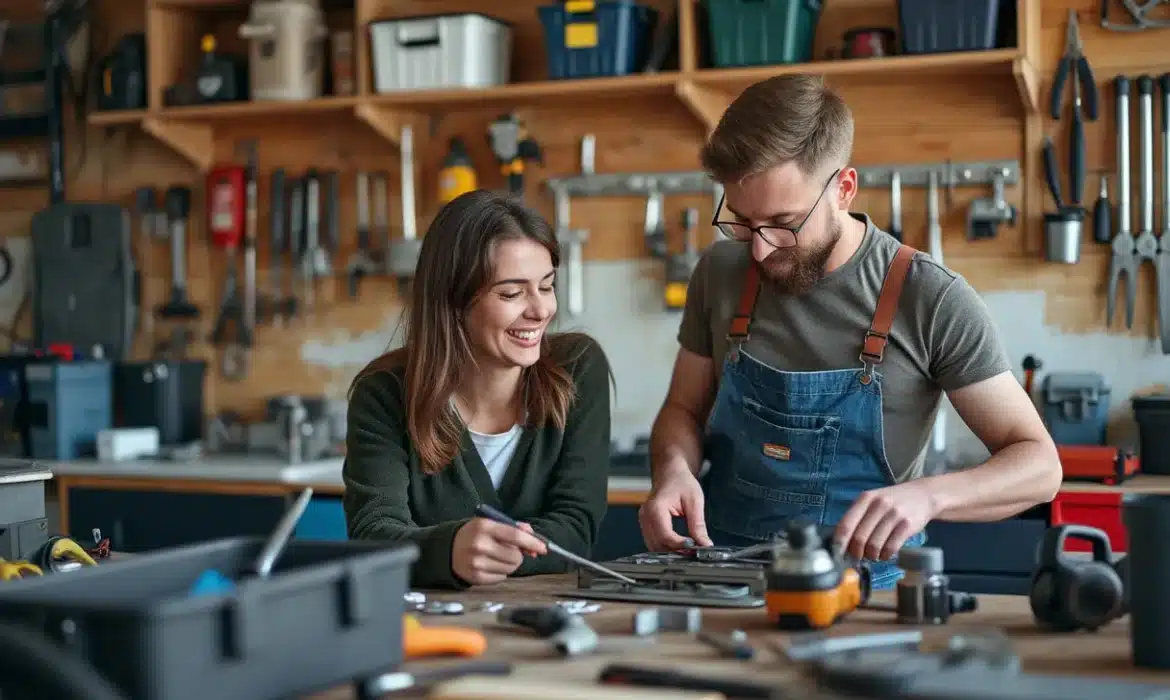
x=1104, y=653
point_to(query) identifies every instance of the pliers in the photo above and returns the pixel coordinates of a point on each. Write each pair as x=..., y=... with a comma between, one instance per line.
x=1123, y=261
x=1074, y=60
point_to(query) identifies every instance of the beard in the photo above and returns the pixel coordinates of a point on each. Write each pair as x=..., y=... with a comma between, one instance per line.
x=796, y=270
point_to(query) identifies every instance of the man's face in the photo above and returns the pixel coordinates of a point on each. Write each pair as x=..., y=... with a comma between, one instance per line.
x=784, y=197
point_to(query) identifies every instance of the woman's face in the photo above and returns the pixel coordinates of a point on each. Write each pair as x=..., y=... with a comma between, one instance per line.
x=509, y=319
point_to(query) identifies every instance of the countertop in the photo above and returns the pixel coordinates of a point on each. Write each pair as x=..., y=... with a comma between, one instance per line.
x=1105, y=653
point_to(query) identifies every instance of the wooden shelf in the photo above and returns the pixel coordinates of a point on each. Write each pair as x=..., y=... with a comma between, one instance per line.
x=706, y=92
x=118, y=117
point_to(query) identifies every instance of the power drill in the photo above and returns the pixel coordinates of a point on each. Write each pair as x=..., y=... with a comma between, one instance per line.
x=809, y=584
x=513, y=148
x=457, y=175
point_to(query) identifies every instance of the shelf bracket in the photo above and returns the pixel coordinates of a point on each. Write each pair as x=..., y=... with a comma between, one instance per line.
x=706, y=104
x=1028, y=84
x=195, y=142
x=386, y=122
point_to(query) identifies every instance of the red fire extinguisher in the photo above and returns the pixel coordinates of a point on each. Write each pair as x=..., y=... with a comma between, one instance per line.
x=225, y=205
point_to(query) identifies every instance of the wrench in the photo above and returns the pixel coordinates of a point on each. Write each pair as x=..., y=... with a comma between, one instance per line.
x=1123, y=261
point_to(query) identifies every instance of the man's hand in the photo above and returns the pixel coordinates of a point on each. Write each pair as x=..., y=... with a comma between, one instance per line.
x=881, y=521
x=485, y=551
x=677, y=494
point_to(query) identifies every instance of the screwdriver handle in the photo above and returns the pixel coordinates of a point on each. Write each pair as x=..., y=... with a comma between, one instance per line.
x=178, y=203
x=1103, y=215
x=483, y=510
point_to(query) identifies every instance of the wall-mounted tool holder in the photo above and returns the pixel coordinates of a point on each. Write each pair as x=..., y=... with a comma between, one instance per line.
x=570, y=282
x=680, y=266
x=984, y=215
x=402, y=253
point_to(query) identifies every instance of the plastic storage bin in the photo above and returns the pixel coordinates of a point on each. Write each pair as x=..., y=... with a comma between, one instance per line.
x=938, y=26
x=1152, y=414
x=69, y=403
x=440, y=51
x=330, y=614
x=1076, y=407
x=762, y=32
x=586, y=39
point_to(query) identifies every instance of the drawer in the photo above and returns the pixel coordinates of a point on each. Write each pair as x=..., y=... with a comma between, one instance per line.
x=1004, y=547
x=1099, y=510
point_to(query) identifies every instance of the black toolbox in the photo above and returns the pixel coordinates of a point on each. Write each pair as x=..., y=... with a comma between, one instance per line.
x=329, y=614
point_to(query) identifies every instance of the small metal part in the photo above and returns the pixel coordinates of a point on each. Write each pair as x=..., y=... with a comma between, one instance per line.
x=442, y=607
x=579, y=607
x=810, y=646
x=575, y=638
x=491, y=607
x=414, y=597
x=668, y=619
x=732, y=646
x=923, y=595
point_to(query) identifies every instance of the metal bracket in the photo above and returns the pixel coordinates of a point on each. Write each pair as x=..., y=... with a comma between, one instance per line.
x=951, y=174
x=632, y=184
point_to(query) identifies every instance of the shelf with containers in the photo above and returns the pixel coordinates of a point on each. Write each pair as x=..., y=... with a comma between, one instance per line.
x=410, y=62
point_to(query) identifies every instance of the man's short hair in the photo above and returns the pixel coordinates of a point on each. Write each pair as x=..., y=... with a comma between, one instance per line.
x=785, y=119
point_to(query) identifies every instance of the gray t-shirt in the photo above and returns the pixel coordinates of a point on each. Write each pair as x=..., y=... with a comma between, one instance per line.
x=942, y=339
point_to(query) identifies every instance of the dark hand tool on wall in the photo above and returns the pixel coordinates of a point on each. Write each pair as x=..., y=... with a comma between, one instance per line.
x=311, y=253
x=178, y=309
x=1162, y=261
x=227, y=223
x=295, y=244
x=361, y=263
x=655, y=224
x=514, y=149
x=810, y=586
x=1073, y=65
x=680, y=266
x=923, y=595
x=483, y=510
x=277, y=242
x=1032, y=364
x=402, y=253
x=1136, y=15
x=1052, y=173
x=1103, y=214
x=1146, y=244
x=251, y=224
x=1122, y=262
x=1069, y=594
x=1064, y=227
x=330, y=231
x=146, y=206
x=896, y=205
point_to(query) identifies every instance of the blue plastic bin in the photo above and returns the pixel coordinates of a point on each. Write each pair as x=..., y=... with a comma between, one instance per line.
x=939, y=26
x=69, y=403
x=591, y=39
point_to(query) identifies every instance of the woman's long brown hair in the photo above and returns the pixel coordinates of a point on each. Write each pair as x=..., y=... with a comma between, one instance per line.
x=454, y=268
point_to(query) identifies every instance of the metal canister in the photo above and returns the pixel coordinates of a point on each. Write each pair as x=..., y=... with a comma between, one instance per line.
x=922, y=595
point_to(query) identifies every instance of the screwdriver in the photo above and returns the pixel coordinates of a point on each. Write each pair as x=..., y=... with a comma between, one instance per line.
x=485, y=511
x=1103, y=214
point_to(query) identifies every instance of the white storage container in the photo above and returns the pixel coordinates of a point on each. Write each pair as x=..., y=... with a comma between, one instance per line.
x=440, y=51
x=286, y=59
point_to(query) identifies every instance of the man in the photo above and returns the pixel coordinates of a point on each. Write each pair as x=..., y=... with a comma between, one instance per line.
x=814, y=353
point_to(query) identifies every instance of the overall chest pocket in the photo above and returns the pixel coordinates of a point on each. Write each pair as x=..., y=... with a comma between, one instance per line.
x=785, y=456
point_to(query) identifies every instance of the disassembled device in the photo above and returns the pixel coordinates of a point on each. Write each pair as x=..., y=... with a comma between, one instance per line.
x=677, y=578
x=923, y=594
x=809, y=584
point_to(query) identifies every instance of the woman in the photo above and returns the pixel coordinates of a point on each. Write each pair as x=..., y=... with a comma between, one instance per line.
x=481, y=405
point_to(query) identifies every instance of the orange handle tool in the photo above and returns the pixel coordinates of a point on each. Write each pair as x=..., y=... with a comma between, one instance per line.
x=420, y=641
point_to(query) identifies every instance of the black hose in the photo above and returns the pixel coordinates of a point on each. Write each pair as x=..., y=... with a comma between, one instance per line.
x=29, y=660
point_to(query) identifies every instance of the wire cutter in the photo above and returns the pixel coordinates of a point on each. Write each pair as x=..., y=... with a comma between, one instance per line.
x=1074, y=61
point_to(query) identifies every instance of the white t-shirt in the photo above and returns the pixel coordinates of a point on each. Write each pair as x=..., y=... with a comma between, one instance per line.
x=496, y=450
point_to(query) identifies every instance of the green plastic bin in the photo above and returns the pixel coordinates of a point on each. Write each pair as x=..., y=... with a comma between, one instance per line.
x=762, y=32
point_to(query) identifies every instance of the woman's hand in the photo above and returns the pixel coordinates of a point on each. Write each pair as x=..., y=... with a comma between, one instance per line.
x=485, y=551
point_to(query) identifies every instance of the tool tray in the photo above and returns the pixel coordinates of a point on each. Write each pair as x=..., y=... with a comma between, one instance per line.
x=329, y=614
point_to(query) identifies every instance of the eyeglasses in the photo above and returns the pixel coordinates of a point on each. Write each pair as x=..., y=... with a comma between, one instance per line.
x=776, y=236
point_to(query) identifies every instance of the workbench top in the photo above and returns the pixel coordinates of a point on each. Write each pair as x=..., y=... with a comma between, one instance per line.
x=1104, y=653
x=254, y=468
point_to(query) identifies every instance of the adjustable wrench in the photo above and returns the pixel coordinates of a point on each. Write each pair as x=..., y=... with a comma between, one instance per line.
x=1162, y=262
x=1123, y=261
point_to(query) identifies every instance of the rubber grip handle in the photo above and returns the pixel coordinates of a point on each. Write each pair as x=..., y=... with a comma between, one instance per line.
x=1121, y=85
x=1145, y=85
x=1058, y=81
x=1050, y=173
x=1102, y=221
x=178, y=202
x=1076, y=160
x=276, y=208
x=419, y=641
x=1089, y=83
x=146, y=199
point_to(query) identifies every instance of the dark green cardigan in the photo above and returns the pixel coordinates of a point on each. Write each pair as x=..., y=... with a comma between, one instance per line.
x=556, y=482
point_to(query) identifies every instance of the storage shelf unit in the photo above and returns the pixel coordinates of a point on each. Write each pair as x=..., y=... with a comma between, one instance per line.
x=706, y=92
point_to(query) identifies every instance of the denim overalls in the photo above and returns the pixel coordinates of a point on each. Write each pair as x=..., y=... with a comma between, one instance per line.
x=787, y=444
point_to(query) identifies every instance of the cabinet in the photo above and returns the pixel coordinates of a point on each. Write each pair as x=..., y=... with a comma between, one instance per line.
x=138, y=521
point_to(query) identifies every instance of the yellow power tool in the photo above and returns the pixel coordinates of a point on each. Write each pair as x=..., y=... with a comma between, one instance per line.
x=457, y=175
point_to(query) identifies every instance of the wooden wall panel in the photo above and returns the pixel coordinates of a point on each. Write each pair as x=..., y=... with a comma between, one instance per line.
x=899, y=120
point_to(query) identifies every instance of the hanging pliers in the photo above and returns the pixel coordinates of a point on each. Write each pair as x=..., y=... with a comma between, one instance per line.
x=1074, y=63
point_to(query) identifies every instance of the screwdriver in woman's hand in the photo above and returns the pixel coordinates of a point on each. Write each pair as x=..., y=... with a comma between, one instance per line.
x=485, y=511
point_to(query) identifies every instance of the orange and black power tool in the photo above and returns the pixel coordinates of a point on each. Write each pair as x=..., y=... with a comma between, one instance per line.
x=810, y=585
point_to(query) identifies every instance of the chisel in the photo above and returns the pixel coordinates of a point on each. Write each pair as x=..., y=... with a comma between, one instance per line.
x=485, y=511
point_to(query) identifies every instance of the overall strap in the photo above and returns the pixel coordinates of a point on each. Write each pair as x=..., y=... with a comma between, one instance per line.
x=873, y=349
x=740, y=327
